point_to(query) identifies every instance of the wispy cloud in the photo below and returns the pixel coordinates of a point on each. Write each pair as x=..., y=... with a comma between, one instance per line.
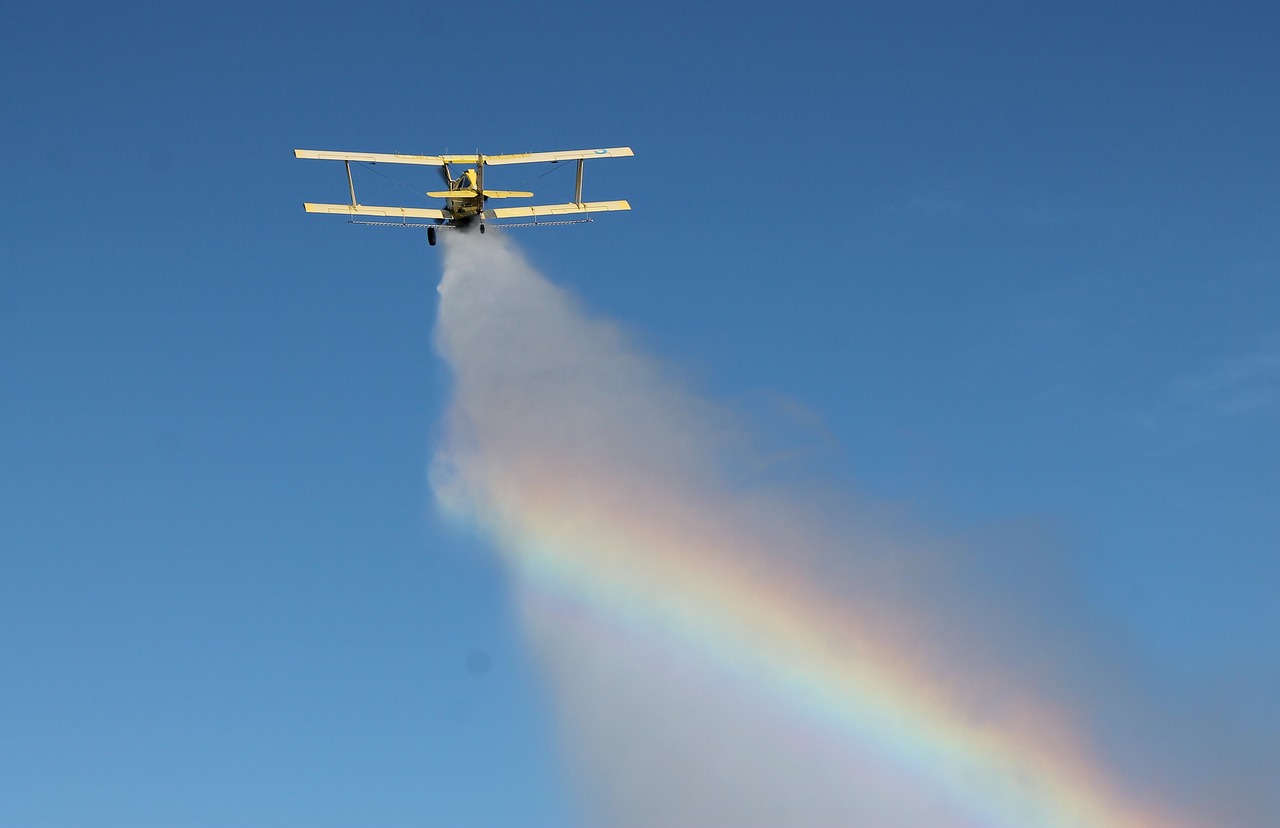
x=953, y=207
x=1237, y=386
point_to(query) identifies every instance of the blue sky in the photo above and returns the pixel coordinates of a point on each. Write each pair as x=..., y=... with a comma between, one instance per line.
x=1010, y=269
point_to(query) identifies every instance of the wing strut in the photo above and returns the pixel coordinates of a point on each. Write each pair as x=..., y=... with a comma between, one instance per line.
x=480, y=185
x=351, y=183
x=577, y=188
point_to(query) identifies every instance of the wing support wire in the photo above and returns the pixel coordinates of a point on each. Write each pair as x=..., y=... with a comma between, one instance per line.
x=536, y=223
x=413, y=224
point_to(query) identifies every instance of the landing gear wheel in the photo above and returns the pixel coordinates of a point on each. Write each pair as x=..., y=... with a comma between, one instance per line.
x=431, y=236
x=482, y=228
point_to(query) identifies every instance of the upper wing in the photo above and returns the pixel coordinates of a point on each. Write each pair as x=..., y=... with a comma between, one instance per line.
x=561, y=155
x=437, y=160
x=385, y=157
x=369, y=210
x=556, y=209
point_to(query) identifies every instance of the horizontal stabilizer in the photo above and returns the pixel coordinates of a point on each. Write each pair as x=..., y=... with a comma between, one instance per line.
x=473, y=194
x=369, y=210
x=556, y=209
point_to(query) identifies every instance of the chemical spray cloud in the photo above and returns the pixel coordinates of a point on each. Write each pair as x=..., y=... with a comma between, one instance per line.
x=729, y=655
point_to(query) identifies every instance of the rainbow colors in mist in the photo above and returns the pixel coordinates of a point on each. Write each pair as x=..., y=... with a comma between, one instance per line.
x=595, y=477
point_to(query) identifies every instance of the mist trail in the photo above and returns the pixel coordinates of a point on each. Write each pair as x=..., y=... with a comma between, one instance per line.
x=721, y=655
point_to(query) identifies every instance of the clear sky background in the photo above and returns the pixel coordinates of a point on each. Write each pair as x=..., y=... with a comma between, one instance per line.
x=1015, y=265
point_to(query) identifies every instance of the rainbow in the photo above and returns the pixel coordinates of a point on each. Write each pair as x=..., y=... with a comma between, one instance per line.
x=619, y=569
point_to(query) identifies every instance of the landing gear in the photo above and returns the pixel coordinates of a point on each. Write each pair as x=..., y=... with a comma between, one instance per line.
x=431, y=236
x=482, y=227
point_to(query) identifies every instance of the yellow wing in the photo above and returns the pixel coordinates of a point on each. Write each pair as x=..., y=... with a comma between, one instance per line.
x=385, y=157
x=556, y=209
x=370, y=210
x=437, y=160
x=561, y=155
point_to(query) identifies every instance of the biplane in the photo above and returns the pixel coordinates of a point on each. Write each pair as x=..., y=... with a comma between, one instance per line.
x=465, y=197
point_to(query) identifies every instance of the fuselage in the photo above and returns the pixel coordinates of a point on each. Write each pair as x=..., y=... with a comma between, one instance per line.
x=464, y=209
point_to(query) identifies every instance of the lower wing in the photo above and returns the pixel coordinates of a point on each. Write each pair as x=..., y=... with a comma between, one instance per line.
x=370, y=210
x=556, y=209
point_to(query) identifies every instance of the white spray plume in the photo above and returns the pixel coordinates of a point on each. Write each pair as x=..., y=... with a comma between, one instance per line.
x=559, y=414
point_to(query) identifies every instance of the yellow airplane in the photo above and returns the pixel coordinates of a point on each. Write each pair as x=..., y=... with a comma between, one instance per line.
x=465, y=198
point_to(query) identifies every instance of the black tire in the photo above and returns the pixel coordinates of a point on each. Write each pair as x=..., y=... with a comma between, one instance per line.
x=431, y=236
x=482, y=228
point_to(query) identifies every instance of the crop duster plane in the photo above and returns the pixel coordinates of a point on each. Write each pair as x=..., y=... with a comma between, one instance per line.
x=465, y=196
